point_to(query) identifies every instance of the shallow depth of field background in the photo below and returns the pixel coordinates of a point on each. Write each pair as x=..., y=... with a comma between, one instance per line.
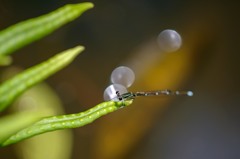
x=124, y=33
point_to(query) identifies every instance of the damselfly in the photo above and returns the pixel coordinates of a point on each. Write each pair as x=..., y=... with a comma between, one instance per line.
x=133, y=95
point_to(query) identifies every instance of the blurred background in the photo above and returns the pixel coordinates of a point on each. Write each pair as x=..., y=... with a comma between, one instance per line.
x=124, y=33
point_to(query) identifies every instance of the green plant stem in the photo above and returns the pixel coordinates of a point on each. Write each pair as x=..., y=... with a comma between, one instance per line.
x=66, y=121
x=13, y=123
x=23, y=33
x=15, y=86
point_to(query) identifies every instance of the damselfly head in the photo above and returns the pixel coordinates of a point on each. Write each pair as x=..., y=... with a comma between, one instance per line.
x=113, y=92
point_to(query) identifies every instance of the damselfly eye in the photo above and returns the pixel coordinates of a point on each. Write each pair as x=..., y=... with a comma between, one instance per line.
x=113, y=92
x=119, y=96
x=123, y=75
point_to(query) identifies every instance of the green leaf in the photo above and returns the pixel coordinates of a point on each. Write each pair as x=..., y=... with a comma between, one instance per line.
x=42, y=98
x=15, y=86
x=24, y=33
x=15, y=122
x=5, y=60
x=66, y=121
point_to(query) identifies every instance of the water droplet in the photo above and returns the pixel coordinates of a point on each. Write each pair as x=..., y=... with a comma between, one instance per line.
x=169, y=40
x=123, y=75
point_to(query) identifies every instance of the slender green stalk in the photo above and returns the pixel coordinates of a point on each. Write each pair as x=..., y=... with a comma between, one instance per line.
x=66, y=121
x=31, y=30
x=14, y=87
x=13, y=123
